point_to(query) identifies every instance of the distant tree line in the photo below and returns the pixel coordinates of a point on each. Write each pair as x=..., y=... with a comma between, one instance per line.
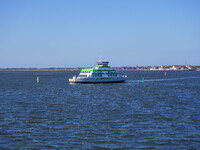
x=79, y=68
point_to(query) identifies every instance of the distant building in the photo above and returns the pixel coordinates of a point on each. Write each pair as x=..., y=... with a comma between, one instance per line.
x=180, y=67
x=189, y=67
x=158, y=68
x=162, y=68
x=176, y=67
x=154, y=68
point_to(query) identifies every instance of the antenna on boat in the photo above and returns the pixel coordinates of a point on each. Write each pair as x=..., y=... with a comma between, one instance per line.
x=100, y=57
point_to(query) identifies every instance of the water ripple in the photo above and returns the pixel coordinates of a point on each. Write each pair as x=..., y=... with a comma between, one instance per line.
x=162, y=113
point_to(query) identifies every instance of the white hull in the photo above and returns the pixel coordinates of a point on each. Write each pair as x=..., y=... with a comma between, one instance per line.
x=97, y=80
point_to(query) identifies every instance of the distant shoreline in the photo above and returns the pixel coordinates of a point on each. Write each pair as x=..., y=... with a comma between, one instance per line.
x=41, y=69
x=137, y=68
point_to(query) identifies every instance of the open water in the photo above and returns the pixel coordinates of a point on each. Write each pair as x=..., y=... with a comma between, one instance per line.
x=162, y=113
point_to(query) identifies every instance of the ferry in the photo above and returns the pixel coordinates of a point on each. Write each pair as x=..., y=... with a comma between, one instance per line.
x=102, y=73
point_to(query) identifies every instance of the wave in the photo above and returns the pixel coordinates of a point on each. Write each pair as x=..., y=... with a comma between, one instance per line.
x=154, y=80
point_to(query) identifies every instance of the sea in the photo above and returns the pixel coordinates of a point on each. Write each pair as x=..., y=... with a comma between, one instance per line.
x=161, y=113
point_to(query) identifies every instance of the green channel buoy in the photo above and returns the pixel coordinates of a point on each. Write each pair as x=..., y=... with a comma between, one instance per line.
x=143, y=80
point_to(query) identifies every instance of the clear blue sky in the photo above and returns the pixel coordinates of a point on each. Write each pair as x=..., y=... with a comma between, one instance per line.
x=73, y=33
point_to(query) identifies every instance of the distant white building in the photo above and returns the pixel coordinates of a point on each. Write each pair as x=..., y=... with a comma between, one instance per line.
x=162, y=68
x=154, y=68
x=158, y=68
x=180, y=67
x=176, y=67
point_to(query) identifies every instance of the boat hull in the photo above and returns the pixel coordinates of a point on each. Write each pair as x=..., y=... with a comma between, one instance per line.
x=97, y=80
